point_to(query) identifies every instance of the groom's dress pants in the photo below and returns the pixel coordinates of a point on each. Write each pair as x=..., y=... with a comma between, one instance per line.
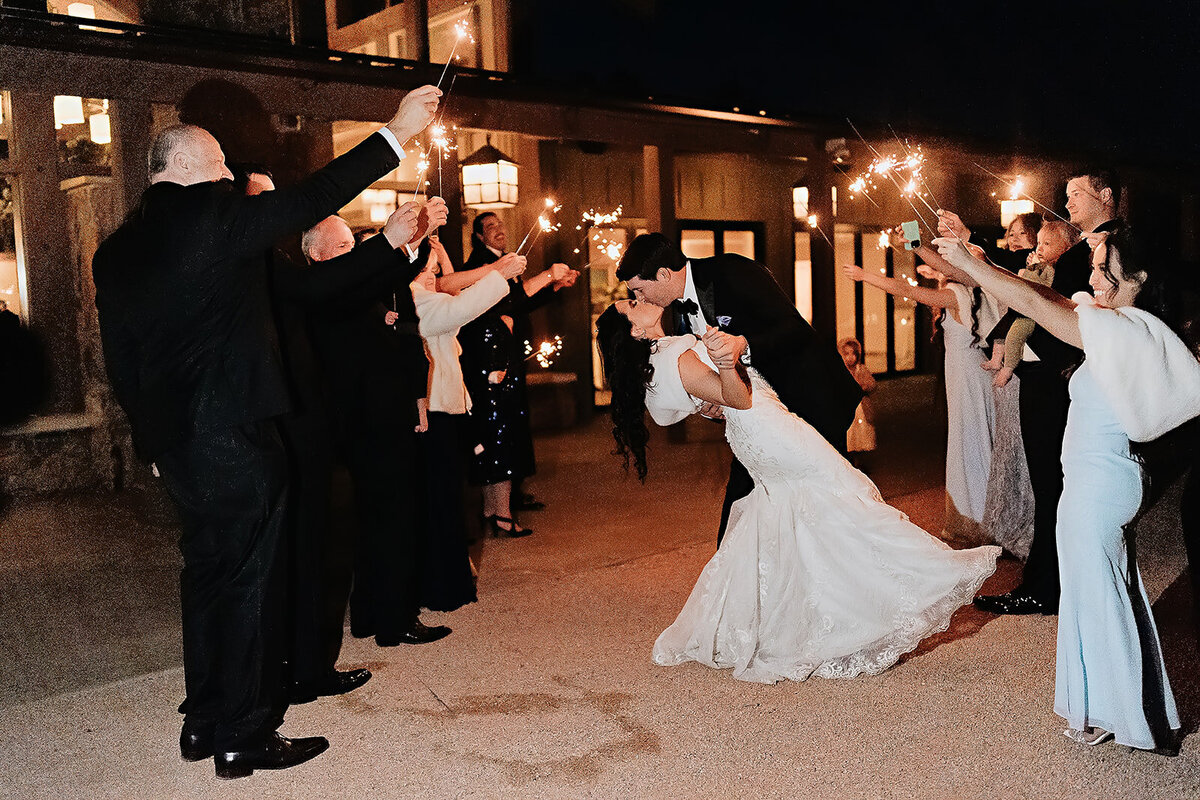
x=229, y=487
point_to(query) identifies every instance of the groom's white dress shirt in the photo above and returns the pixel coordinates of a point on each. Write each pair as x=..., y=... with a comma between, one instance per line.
x=697, y=322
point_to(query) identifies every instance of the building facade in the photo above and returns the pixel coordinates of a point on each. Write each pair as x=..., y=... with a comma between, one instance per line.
x=84, y=87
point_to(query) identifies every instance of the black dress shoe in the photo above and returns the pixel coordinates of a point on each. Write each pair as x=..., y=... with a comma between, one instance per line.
x=1013, y=603
x=195, y=745
x=417, y=633
x=527, y=502
x=276, y=752
x=337, y=683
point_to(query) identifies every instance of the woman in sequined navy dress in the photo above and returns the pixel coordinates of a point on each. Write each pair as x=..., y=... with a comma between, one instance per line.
x=493, y=362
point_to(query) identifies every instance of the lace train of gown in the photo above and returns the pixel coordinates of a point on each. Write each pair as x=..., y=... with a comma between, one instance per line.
x=816, y=575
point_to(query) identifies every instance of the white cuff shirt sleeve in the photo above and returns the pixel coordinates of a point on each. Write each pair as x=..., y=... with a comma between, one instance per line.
x=393, y=141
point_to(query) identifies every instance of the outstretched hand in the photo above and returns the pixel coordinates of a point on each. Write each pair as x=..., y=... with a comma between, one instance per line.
x=416, y=111
x=951, y=225
x=510, y=265
x=401, y=225
x=431, y=217
x=853, y=271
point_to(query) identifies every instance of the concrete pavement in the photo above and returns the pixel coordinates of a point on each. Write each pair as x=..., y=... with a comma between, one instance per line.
x=545, y=688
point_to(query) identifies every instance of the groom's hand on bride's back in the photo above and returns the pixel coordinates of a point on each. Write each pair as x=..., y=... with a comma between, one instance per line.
x=711, y=410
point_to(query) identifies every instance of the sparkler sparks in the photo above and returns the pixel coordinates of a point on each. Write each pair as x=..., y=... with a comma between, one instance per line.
x=545, y=353
x=542, y=224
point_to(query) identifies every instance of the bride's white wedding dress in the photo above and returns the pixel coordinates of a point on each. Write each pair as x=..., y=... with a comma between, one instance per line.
x=816, y=575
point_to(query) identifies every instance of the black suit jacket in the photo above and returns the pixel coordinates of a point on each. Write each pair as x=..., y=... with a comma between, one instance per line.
x=804, y=369
x=181, y=287
x=375, y=372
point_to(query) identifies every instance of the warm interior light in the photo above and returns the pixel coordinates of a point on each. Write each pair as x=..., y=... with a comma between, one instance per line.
x=100, y=126
x=489, y=179
x=84, y=10
x=68, y=110
x=800, y=202
x=1011, y=209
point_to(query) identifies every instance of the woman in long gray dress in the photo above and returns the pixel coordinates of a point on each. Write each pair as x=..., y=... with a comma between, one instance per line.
x=970, y=412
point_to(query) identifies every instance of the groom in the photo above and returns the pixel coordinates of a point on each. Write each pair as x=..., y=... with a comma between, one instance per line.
x=740, y=297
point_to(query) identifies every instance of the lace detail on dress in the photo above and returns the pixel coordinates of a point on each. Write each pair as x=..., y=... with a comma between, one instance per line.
x=816, y=574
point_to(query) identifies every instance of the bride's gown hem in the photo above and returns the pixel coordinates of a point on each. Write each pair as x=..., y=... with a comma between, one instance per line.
x=816, y=575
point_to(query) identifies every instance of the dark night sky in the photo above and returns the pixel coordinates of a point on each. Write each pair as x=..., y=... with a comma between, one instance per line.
x=1052, y=76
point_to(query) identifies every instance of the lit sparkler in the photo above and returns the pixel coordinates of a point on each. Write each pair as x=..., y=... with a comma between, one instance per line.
x=460, y=33
x=545, y=353
x=812, y=225
x=542, y=224
x=1017, y=189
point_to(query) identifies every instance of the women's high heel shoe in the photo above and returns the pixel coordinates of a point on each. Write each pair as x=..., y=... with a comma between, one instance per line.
x=1097, y=736
x=511, y=532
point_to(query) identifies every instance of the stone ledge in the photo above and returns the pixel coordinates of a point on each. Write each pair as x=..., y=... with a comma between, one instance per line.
x=53, y=423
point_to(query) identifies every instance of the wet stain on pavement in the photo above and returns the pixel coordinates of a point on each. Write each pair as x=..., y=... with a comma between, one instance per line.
x=534, y=736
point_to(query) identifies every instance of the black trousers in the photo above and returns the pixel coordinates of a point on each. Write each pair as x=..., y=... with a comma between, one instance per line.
x=1043, y=402
x=320, y=562
x=388, y=497
x=230, y=489
x=452, y=517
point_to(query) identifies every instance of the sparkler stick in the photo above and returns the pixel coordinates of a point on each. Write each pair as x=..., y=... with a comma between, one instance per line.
x=542, y=223
x=460, y=31
x=884, y=167
x=1015, y=189
x=812, y=223
x=920, y=175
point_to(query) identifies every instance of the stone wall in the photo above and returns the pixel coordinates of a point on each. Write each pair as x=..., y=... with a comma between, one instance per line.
x=89, y=449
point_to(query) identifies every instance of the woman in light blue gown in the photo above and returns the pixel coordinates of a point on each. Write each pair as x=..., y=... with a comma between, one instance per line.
x=1139, y=380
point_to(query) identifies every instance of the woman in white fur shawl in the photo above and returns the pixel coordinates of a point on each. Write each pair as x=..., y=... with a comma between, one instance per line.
x=1138, y=380
x=447, y=577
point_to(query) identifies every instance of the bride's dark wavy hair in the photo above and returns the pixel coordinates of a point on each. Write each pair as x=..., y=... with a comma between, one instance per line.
x=1159, y=294
x=627, y=369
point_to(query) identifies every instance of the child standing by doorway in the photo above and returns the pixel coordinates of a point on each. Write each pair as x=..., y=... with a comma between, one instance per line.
x=860, y=439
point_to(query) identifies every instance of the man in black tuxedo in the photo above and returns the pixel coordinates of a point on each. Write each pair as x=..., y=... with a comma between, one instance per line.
x=741, y=297
x=189, y=346
x=375, y=364
x=1093, y=196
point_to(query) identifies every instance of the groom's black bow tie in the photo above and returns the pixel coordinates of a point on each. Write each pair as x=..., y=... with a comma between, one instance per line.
x=686, y=307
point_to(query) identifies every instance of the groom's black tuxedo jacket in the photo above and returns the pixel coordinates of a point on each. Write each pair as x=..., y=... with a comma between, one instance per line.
x=181, y=288
x=740, y=296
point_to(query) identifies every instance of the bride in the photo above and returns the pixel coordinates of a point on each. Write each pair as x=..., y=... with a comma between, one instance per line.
x=816, y=575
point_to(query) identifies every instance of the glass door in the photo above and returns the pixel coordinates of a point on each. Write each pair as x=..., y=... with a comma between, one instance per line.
x=884, y=324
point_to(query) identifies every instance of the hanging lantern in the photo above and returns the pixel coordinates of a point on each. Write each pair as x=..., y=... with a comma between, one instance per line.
x=100, y=126
x=68, y=110
x=489, y=179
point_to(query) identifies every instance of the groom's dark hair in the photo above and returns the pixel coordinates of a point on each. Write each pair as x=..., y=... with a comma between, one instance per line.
x=646, y=254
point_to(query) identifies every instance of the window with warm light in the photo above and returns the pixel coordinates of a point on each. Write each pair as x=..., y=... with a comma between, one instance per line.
x=5, y=125
x=12, y=273
x=454, y=32
x=800, y=202
x=375, y=204
x=84, y=129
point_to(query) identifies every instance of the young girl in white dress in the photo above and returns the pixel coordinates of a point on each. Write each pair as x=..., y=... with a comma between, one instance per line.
x=816, y=575
x=1138, y=381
